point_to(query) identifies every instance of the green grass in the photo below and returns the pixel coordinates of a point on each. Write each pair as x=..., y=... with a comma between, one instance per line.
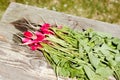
x=104, y=10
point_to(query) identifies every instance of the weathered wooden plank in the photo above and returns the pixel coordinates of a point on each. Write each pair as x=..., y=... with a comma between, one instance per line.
x=19, y=63
x=16, y=11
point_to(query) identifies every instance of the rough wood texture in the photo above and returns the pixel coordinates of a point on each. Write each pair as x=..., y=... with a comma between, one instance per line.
x=19, y=63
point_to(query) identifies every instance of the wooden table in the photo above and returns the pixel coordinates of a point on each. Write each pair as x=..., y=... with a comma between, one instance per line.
x=20, y=63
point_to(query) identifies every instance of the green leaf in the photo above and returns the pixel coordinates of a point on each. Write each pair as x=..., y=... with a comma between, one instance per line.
x=92, y=75
x=55, y=58
x=94, y=60
x=118, y=46
x=78, y=73
x=62, y=71
x=116, y=40
x=81, y=46
x=103, y=35
x=84, y=56
x=117, y=57
x=104, y=72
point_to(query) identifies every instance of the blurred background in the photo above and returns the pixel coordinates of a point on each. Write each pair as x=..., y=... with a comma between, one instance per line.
x=103, y=10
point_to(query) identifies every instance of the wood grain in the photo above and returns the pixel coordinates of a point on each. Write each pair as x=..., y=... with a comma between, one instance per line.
x=20, y=63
